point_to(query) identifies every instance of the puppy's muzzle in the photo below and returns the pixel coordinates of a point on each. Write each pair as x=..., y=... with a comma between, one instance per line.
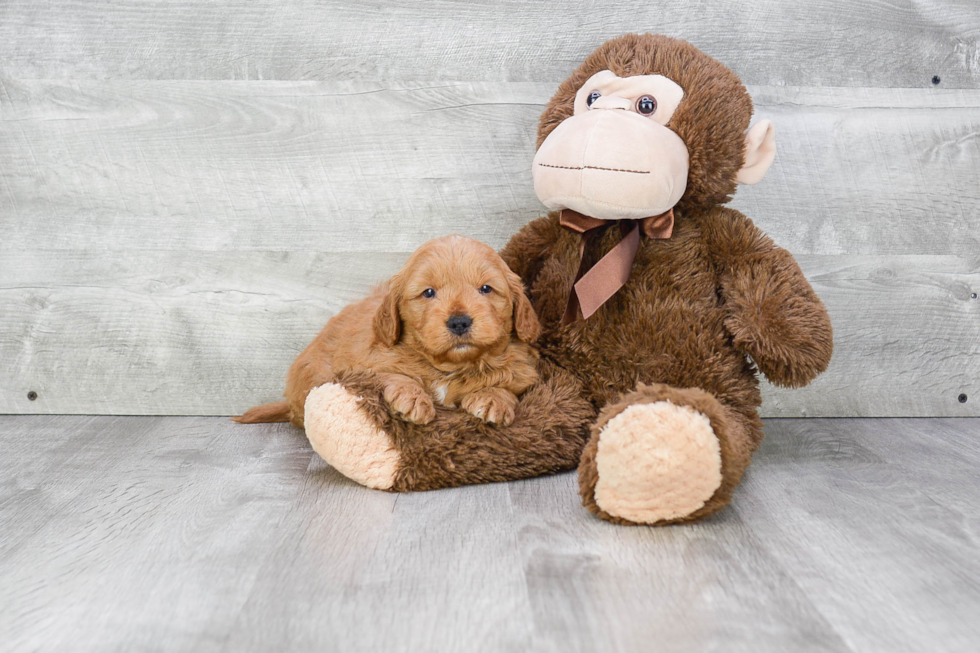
x=459, y=324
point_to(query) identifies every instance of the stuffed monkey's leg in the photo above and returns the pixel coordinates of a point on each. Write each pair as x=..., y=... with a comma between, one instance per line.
x=663, y=455
x=351, y=426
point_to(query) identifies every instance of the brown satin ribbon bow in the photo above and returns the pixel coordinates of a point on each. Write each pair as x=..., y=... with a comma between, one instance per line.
x=593, y=286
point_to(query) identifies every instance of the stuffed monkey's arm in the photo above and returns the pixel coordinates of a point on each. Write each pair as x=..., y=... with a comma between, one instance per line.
x=527, y=250
x=774, y=315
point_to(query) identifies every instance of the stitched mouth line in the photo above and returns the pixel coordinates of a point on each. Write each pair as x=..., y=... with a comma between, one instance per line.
x=635, y=172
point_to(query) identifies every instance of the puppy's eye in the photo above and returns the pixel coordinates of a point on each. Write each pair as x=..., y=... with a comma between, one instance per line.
x=485, y=289
x=593, y=96
x=646, y=105
x=429, y=293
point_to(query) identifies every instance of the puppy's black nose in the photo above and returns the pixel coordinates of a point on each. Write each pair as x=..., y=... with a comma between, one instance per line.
x=459, y=324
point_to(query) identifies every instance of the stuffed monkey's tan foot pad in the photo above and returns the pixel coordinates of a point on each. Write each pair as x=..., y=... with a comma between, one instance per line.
x=346, y=438
x=655, y=462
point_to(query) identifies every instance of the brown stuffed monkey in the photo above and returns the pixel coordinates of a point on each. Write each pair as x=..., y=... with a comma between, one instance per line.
x=658, y=305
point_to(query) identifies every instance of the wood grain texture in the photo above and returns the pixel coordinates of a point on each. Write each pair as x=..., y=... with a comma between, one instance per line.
x=864, y=562
x=188, y=191
x=364, y=167
x=162, y=332
x=262, y=165
x=906, y=339
x=899, y=43
x=869, y=171
x=148, y=332
x=176, y=534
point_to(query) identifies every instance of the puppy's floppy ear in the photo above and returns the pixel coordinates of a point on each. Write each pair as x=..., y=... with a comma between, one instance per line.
x=525, y=319
x=387, y=320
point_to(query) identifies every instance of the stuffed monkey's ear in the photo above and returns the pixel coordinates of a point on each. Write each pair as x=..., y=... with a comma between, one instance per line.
x=525, y=319
x=760, y=150
x=387, y=321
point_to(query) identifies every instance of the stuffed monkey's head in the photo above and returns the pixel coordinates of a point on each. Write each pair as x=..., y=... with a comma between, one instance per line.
x=647, y=123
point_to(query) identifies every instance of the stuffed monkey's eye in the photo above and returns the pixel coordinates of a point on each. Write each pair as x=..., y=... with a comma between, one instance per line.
x=646, y=105
x=485, y=289
x=593, y=96
x=429, y=293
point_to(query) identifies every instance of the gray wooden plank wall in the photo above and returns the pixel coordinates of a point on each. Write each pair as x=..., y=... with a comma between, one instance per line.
x=187, y=191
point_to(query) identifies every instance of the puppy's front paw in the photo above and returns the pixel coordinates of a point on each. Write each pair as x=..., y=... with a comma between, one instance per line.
x=411, y=401
x=493, y=405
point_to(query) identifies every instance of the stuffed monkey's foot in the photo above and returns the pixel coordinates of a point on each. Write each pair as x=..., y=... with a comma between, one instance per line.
x=656, y=462
x=344, y=436
x=655, y=457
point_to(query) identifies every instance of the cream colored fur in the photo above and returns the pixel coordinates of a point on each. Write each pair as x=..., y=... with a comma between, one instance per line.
x=760, y=152
x=623, y=92
x=344, y=437
x=611, y=164
x=657, y=461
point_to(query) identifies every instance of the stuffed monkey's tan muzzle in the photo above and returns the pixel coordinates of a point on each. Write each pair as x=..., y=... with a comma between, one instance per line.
x=611, y=164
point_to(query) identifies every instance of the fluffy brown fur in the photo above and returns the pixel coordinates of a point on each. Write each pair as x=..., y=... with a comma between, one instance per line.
x=403, y=336
x=697, y=305
x=699, y=312
x=715, y=293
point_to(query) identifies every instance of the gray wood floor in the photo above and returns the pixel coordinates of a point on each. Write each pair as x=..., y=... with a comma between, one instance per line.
x=193, y=533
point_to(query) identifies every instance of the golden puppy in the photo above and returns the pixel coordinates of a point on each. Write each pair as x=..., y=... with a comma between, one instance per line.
x=442, y=328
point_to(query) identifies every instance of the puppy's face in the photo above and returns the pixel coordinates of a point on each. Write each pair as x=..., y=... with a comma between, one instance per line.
x=455, y=300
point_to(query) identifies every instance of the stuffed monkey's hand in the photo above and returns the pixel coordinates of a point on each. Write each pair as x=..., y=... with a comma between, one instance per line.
x=776, y=318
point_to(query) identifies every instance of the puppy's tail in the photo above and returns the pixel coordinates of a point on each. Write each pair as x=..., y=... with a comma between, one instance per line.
x=277, y=412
